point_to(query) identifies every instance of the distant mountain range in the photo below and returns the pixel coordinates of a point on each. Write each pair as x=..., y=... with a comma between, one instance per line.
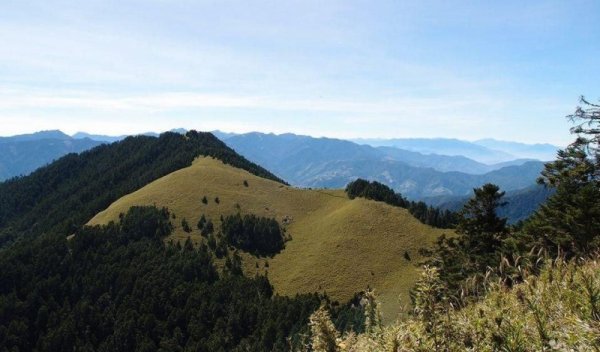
x=110, y=139
x=20, y=155
x=441, y=172
x=489, y=151
x=333, y=163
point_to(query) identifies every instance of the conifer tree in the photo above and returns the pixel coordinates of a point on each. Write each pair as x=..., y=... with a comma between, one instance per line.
x=478, y=244
x=479, y=227
x=570, y=220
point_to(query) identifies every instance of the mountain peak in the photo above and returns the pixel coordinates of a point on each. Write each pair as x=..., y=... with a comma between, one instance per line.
x=48, y=134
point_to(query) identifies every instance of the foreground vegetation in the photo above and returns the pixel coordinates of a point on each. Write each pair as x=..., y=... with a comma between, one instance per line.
x=557, y=310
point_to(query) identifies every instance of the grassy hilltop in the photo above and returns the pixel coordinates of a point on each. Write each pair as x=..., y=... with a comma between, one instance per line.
x=338, y=245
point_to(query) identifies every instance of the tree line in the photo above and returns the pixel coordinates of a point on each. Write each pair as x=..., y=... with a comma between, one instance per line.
x=377, y=191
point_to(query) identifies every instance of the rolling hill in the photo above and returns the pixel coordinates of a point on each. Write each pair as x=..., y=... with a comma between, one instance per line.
x=540, y=151
x=338, y=245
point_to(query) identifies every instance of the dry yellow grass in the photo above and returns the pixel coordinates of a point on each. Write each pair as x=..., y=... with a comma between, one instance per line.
x=338, y=246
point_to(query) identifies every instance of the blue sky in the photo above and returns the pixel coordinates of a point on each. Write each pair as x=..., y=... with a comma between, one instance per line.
x=460, y=69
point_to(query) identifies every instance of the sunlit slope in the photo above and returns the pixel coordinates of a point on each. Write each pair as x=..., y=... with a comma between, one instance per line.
x=338, y=245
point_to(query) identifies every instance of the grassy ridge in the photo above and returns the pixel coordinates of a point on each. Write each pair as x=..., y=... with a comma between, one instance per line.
x=338, y=245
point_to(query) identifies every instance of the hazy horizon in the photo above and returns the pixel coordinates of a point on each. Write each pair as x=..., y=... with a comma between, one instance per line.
x=358, y=139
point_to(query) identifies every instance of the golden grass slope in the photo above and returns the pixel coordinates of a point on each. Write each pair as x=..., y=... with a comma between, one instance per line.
x=338, y=245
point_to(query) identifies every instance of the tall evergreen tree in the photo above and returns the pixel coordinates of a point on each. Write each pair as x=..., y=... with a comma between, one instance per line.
x=570, y=220
x=478, y=244
x=479, y=227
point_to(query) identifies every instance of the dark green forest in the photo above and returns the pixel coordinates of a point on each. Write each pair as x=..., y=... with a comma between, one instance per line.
x=379, y=192
x=119, y=287
x=257, y=235
x=61, y=197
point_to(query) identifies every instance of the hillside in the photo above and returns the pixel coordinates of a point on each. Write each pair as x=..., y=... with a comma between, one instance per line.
x=338, y=245
x=332, y=163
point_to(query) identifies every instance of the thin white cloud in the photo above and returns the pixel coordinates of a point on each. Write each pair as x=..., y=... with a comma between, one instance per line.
x=161, y=102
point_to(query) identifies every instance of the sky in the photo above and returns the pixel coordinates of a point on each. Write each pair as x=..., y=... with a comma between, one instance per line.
x=508, y=70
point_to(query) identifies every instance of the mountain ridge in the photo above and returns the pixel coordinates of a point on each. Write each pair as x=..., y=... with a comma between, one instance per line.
x=325, y=162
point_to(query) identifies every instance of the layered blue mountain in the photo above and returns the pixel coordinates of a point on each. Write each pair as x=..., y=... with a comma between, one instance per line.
x=543, y=151
x=22, y=154
x=488, y=151
x=332, y=163
x=430, y=175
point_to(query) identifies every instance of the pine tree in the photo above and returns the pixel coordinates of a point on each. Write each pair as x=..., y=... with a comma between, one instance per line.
x=478, y=244
x=570, y=220
x=479, y=227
